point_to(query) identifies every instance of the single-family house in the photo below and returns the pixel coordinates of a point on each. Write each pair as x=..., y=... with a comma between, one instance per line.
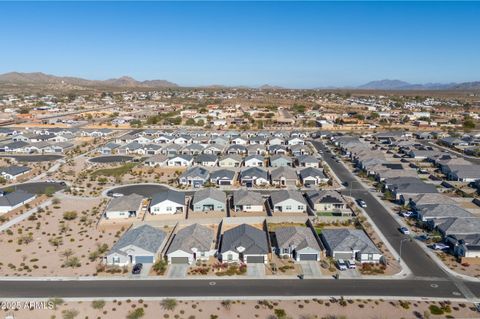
x=244, y=244
x=209, y=199
x=283, y=176
x=15, y=199
x=248, y=201
x=167, y=202
x=288, y=201
x=312, y=176
x=195, y=176
x=254, y=161
x=254, y=176
x=222, y=177
x=13, y=172
x=232, y=160
x=192, y=243
x=350, y=244
x=297, y=242
x=124, y=207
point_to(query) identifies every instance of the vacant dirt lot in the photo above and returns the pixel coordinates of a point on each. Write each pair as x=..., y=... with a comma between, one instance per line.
x=61, y=240
x=297, y=309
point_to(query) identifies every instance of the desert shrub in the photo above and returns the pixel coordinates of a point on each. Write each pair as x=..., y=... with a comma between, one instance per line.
x=98, y=304
x=435, y=310
x=136, y=314
x=70, y=215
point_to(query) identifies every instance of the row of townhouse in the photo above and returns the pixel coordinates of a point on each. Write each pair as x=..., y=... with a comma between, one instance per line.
x=210, y=199
x=137, y=148
x=232, y=160
x=243, y=244
x=45, y=147
x=254, y=176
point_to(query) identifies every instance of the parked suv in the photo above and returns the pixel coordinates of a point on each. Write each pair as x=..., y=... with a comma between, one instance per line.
x=341, y=264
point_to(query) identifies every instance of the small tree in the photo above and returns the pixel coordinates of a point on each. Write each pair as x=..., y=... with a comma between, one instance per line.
x=98, y=304
x=70, y=215
x=136, y=314
x=168, y=304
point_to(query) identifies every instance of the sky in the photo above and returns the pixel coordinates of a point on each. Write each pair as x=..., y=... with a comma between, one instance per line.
x=290, y=44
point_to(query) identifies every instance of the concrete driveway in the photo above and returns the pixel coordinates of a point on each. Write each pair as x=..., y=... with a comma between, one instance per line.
x=311, y=269
x=145, y=270
x=350, y=273
x=256, y=270
x=177, y=271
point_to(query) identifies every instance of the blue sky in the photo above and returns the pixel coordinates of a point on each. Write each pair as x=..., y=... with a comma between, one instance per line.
x=293, y=44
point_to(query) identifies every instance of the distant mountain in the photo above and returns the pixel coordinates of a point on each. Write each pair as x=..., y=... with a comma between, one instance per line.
x=402, y=85
x=42, y=79
x=270, y=87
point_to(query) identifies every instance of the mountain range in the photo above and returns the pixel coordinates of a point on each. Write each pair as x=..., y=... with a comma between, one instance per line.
x=38, y=79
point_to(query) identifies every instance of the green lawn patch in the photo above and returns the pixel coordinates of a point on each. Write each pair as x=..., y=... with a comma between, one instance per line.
x=115, y=172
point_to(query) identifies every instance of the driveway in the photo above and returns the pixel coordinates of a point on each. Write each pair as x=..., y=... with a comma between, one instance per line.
x=311, y=269
x=349, y=273
x=177, y=271
x=145, y=270
x=256, y=270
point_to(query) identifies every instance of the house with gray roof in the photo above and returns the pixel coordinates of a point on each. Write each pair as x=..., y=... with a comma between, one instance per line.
x=404, y=188
x=277, y=149
x=254, y=176
x=278, y=160
x=157, y=160
x=288, y=201
x=459, y=226
x=283, y=176
x=209, y=199
x=350, y=244
x=206, y=160
x=464, y=173
x=124, y=207
x=248, y=201
x=222, y=177
x=16, y=146
x=182, y=160
x=324, y=201
x=254, y=161
x=14, y=171
x=195, y=176
x=432, y=212
x=312, y=176
x=231, y=160
x=192, y=243
x=13, y=200
x=137, y=245
x=297, y=242
x=430, y=198
x=244, y=244
x=307, y=161
x=167, y=202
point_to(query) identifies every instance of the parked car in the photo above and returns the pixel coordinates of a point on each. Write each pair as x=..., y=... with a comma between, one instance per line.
x=423, y=237
x=361, y=203
x=404, y=230
x=137, y=269
x=116, y=195
x=351, y=264
x=341, y=264
x=440, y=246
x=408, y=213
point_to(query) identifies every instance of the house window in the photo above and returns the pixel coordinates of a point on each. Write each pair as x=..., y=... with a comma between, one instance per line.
x=169, y=209
x=202, y=254
x=300, y=207
x=116, y=260
x=285, y=250
x=288, y=207
x=248, y=207
x=229, y=257
x=370, y=256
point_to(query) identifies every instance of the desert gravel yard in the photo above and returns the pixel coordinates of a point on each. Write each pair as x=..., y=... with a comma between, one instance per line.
x=61, y=240
x=295, y=309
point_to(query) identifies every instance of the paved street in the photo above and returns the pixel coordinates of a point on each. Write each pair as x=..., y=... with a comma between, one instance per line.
x=231, y=288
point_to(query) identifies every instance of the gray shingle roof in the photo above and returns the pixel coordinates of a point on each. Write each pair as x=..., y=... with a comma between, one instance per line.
x=221, y=173
x=244, y=197
x=209, y=193
x=311, y=172
x=193, y=236
x=460, y=226
x=282, y=195
x=349, y=240
x=283, y=171
x=442, y=211
x=127, y=203
x=252, y=239
x=296, y=236
x=145, y=237
x=174, y=196
x=254, y=172
x=15, y=198
x=14, y=170
x=325, y=196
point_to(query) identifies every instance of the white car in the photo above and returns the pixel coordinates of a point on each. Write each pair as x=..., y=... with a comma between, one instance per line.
x=116, y=195
x=341, y=264
x=407, y=214
x=404, y=230
x=440, y=246
x=362, y=203
x=351, y=264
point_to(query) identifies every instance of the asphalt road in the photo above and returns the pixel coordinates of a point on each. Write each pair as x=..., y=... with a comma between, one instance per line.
x=228, y=288
x=419, y=263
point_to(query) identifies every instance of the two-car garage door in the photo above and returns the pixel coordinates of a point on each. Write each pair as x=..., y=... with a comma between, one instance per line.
x=144, y=259
x=304, y=257
x=179, y=260
x=255, y=259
